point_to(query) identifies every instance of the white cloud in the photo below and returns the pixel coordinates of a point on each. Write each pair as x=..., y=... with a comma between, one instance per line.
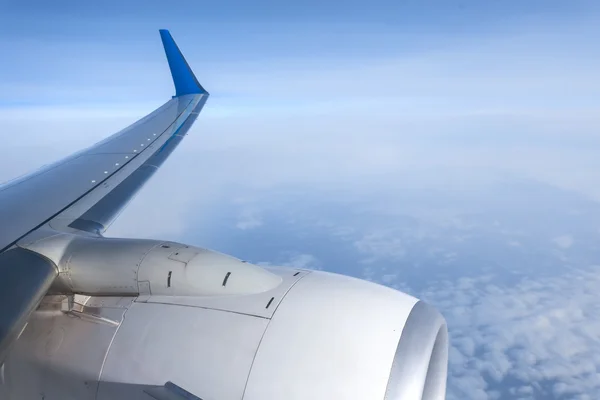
x=249, y=218
x=564, y=241
x=380, y=244
x=303, y=261
x=539, y=332
x=292, y=122
x=415, y=115
x=389, y=278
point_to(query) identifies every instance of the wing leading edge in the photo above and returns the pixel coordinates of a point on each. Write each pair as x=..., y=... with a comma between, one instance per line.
x=86, y=191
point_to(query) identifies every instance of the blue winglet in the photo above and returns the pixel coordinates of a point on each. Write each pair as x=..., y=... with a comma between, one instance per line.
x=184, y=79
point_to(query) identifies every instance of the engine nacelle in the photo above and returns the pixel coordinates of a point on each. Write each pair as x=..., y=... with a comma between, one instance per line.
x=220, y=329
x=130, y=267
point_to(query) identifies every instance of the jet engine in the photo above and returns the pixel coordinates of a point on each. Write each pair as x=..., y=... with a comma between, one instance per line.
x=149, y=319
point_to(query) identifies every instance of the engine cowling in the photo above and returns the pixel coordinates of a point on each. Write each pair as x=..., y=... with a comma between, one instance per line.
x=218, y=328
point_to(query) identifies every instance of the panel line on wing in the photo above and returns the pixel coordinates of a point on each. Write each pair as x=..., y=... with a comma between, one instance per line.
x=99, y=181
x=142, y=151
x=66, y=189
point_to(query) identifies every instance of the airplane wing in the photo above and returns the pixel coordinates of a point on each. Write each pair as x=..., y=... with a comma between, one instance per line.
x=83, y=316
x=86, y=191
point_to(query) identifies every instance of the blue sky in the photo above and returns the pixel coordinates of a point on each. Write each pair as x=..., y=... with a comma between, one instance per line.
x=449, y=149
x=287, y=38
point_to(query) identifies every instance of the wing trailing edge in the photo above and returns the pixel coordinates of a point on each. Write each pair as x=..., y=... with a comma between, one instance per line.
x=183, y=77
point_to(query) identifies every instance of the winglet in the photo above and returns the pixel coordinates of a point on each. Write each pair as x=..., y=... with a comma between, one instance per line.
x=184, y=79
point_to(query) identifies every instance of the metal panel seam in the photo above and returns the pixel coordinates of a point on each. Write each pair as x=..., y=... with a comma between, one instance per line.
x=84, y=194
x=137, y=273
x=40, y=171
x=265, y=331
x=109, y=347
x=203, y=307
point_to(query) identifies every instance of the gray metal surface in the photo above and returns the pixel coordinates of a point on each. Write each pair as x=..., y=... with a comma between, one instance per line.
x=173, y=272
x=420, y=368
x=188, y=271
x=101, y=214
x=332, y=337
x=60, y=354
x=97, y=176
x=24, y=280
x=260, y=304
x=170, y=391
x=207, y=352
x=189, y=323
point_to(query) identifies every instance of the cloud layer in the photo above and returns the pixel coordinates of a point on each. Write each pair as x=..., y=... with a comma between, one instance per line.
x=537, y=339
x=458, y=161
